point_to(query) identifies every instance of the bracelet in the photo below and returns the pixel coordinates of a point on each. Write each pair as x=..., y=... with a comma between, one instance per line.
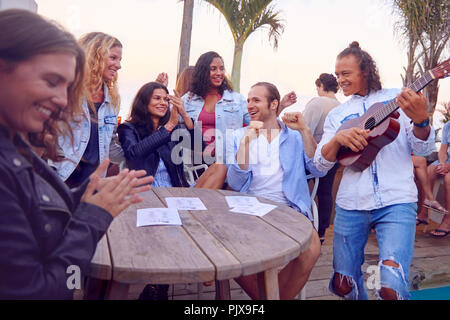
x=422, y=124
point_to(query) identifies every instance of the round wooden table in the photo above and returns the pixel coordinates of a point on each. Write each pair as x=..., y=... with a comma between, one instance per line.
x=213, y=244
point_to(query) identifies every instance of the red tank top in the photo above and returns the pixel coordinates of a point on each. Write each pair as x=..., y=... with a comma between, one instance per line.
x=208, y=120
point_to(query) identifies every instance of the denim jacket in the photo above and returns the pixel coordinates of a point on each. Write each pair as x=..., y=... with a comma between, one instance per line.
x=107, y=126
x=293, y=160
x=44, y=228
x=390, y=178
x=231, y=113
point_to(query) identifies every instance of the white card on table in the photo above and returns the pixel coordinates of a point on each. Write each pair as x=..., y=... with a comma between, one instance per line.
x=237, y=201
x=256, y=210
x=157, y=216
x=185, y=203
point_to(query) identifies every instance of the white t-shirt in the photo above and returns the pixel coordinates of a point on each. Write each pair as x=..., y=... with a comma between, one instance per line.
x=267, y=172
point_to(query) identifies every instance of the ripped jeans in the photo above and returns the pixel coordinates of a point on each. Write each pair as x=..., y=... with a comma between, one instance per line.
x=395, y=228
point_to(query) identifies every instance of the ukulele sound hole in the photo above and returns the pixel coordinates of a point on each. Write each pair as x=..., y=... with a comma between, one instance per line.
x=370, y=123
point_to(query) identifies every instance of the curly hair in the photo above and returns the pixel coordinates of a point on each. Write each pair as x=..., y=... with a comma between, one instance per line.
x=328, y=81
x=25, y=35
x=366, y=64
x=139, y=114
x=201, y=77
x=96, y=46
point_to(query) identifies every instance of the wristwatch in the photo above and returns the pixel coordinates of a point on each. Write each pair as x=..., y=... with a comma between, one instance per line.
x=423, y=124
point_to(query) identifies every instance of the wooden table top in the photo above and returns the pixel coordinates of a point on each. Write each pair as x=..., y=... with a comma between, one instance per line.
x=213, y=244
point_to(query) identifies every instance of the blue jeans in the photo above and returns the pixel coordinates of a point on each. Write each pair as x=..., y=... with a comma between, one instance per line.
x=395, y=228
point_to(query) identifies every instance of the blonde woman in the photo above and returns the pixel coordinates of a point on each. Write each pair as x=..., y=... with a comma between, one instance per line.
x=95, y=129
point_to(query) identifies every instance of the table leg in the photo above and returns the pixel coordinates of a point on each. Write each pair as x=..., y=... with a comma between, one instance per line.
x=268, y=285
x=117, y=291
x=223, y=290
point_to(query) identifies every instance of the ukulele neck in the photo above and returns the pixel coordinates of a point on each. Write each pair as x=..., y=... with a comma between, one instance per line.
x=392, y=106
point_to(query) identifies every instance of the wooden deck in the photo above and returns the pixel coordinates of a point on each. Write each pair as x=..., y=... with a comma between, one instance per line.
x=430, y=268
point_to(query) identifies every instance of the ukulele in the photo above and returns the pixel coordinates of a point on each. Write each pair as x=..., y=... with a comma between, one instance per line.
x=380, y=119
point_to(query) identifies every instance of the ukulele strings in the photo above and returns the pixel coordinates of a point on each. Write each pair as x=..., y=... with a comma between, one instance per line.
x=391, y=106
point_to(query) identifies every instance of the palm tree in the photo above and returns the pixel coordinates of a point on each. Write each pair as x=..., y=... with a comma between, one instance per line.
x=245, y=17
x=426, y=26
x=410, y=25
x=185, y=39
x=434, y=41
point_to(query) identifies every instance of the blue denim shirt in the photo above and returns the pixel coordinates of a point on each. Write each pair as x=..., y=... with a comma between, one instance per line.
x=107, y=125
x=293, y=160
x=231, y=113
x=390, y=178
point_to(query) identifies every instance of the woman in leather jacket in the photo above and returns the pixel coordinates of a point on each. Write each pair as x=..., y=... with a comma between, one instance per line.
x=146, y=136
x=45, y=228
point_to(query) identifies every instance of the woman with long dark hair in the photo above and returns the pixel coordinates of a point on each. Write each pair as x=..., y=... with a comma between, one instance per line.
x=212, y=102
x=45, y=228
x=146, y=141
x=146, y=136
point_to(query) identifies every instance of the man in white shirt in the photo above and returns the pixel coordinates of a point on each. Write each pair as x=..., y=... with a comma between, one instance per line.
x=271, y=157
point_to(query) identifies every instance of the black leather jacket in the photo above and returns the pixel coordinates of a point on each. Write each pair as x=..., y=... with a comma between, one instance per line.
x=44, y=228
x=145, y=152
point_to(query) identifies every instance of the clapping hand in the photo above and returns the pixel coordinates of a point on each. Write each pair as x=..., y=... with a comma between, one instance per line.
x=178, y=106
x=177, y=103
x=163, y=79
x=115, y=194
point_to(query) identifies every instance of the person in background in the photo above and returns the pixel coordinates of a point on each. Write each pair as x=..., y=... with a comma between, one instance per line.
x=95, y=127
x=184, y=80
x=383, y=196
x=45, y=227
x=270, y=161
x=426, y=199
x=315, y=112
x=441, y=168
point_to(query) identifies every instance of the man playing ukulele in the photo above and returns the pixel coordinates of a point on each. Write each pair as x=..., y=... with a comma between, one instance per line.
x=382, y=196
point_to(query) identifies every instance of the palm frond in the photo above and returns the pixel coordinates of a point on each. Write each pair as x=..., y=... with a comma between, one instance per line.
x=246, y=16
x=271, y=19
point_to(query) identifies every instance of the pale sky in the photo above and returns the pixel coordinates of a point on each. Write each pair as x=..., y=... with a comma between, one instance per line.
x=315, y=32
